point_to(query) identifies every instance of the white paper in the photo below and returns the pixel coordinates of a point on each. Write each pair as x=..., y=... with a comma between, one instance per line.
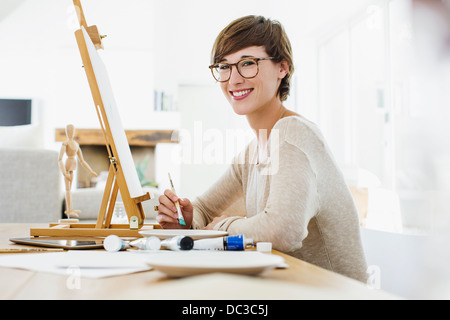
x=88, y=264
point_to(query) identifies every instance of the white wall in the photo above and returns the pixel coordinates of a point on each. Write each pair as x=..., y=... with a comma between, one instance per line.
x=210, y=137
x=39, y=59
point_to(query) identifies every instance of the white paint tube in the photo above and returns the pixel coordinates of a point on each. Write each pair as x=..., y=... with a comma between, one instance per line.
x=238, y=242
x=113, y=243
x=178, y=243
x=149, y=243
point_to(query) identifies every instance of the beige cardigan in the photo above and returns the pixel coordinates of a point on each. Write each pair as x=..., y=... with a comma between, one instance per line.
x=296, y=198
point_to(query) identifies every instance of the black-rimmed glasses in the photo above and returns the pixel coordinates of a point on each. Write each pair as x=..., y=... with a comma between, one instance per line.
x=248, y=68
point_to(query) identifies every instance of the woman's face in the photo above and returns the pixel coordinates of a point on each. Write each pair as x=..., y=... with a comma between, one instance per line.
x=247, y=96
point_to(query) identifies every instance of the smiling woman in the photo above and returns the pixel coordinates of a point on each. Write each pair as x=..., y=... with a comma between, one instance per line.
x=260, y=32
x=285, y=187
x=254, y=89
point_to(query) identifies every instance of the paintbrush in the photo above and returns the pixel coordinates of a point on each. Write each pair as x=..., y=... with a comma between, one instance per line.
x=177, y=204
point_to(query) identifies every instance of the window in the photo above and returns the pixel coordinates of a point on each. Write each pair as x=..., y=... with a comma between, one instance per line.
x=363, y=79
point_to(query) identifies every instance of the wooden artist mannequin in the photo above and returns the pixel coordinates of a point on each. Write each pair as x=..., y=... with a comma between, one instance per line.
x=72, y=149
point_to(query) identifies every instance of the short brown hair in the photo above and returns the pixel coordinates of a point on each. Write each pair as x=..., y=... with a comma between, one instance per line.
x=256, y=31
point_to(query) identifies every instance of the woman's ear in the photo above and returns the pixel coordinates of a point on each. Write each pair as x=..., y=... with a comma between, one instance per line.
x=284, y=69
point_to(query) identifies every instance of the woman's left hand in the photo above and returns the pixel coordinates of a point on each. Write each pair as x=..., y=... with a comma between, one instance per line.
x=215, y=221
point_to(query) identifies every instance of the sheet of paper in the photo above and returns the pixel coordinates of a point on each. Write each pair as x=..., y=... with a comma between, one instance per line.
x=88, y=264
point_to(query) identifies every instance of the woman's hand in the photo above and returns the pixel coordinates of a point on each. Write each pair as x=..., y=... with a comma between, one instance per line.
x=215, y=221
x=167, y=215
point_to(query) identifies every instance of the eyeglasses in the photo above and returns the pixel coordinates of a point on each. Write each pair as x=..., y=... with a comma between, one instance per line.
x=248, y=68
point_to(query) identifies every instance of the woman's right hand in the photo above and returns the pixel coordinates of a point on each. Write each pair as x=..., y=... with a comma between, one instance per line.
x=167, y=215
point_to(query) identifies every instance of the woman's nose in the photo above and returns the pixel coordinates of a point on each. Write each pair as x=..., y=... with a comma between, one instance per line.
x=235, y=77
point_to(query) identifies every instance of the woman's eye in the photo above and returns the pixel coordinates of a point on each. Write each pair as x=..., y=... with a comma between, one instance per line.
x=248, y=63
x=223, y=67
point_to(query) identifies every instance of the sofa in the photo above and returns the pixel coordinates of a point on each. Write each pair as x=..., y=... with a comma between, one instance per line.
x=32, y=189
x=30, y=185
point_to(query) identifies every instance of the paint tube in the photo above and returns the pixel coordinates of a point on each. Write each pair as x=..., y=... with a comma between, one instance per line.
x=113, y=243
x=177, y=243
x=149, y=243
x=238, y=242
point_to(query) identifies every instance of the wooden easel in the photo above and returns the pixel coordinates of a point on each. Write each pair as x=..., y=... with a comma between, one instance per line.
x=116, y=179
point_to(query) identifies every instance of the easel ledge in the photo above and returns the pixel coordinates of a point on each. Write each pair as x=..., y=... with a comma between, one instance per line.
x=89, y=230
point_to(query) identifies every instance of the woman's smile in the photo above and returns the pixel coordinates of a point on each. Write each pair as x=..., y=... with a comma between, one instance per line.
x=240, y=94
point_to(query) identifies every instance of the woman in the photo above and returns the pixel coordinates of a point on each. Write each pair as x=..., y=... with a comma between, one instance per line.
x=285, y=187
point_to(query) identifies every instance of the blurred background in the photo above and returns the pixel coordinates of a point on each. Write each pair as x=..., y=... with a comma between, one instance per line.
x=372, y=74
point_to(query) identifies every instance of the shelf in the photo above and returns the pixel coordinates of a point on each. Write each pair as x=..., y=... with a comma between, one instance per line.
x=140, y=138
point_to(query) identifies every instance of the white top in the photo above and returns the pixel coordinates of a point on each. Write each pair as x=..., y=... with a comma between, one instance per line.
x=295, y=198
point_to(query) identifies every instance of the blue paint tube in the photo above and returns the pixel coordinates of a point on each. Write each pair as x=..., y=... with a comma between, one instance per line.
x=238, y=242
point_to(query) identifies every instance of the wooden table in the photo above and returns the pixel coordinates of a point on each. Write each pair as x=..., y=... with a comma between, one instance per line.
x=300, y=281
